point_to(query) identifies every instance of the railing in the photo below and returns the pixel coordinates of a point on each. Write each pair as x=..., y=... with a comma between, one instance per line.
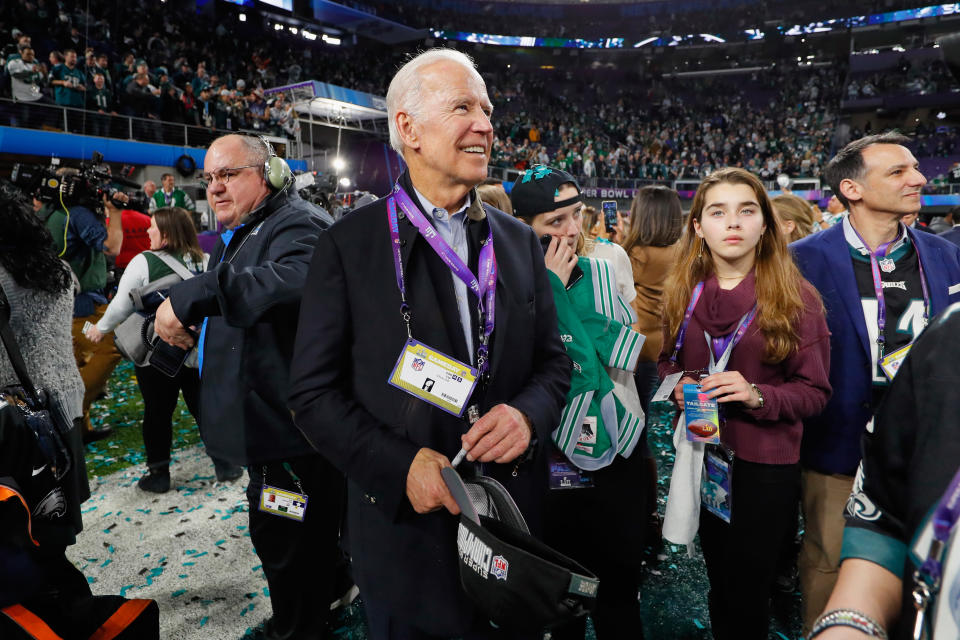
x=602, y=184
x=32, y=115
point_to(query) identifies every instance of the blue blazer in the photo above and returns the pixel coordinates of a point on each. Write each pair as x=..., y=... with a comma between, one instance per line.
x=953, y=235
x=831, y=440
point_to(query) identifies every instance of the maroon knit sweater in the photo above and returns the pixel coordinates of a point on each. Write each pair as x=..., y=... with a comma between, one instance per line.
x=794, y=389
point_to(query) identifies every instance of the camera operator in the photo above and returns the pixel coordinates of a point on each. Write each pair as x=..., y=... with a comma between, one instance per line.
x=84, y=239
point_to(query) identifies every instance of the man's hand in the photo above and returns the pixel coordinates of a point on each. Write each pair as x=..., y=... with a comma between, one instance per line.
x=169, y=327
x=502, y=435
x=426, y=489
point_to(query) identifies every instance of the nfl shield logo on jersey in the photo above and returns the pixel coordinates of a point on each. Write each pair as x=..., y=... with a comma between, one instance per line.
x=417, y=364
x=499, y=567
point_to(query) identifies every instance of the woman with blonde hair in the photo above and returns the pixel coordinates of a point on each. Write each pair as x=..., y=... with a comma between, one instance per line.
x=495, y=196
x=744, y=328
x=795, y=216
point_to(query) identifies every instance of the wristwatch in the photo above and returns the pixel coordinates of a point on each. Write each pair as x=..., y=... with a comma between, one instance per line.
x=759, y=394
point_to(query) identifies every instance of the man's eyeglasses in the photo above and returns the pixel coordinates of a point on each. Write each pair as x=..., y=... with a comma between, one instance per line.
x=222, y=176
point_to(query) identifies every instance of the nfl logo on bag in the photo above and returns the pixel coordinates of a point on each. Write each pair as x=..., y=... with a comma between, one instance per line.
x=499, y=566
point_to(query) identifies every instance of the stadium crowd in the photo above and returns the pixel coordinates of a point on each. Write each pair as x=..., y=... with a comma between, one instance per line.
x=596, y=123
x=910, y=77
x=171, y=65
x=772, y=121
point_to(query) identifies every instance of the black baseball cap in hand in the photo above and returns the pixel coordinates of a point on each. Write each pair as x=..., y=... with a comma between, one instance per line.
x=517, y=581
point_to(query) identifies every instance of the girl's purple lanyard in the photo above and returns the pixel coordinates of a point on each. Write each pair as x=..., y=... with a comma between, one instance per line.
x=483, y=287
x=927, y=578
x=875, y=257
x=694, y=299
x=720, y=348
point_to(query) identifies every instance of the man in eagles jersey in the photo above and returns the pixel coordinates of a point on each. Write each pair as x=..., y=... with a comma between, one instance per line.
x=881, y=283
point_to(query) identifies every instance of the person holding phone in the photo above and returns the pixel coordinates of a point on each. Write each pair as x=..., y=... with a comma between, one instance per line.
x=594, y=470
x=740, y=321
x=172, y=233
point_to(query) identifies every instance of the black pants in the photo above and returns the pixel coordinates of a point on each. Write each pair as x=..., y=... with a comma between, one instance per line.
x=602, y=528
x=300, y=559
x=160, y=394
x=742, y=556
x=382, y=626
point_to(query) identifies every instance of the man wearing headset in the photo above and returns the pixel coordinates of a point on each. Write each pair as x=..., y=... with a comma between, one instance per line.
x=242, y=313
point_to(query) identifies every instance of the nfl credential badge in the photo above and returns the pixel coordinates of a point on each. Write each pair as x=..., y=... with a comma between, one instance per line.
x=499, y=566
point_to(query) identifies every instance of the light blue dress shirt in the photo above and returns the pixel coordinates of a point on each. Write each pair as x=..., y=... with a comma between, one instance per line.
x=452, y=227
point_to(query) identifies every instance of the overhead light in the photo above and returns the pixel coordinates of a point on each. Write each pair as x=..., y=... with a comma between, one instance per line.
x=330, y=40
x=293, y=30
x=278, y=27
x=243, y=17
x=308, y=35
x=338, y=164
x=941, y=115
x=345, y=182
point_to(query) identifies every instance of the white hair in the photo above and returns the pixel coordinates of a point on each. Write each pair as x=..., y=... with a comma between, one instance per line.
x=404, y=93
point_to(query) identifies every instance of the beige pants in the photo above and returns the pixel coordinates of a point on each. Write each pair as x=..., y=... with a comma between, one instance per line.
x=95, y=361
x=824, y=499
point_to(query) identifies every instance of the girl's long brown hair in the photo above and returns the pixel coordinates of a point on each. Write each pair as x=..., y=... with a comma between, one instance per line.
x=176, y=225
x=778, y=281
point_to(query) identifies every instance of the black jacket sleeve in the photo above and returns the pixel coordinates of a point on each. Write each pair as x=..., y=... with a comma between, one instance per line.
x=243, y=294
x=369, y=453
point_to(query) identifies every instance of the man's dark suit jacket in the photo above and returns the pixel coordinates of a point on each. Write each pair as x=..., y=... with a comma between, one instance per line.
x=350, y=337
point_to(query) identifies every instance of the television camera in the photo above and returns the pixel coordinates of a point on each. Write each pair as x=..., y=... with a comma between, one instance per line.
x=84, y=187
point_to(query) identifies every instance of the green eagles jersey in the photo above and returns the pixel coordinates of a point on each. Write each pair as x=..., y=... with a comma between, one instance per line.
x=594, y=324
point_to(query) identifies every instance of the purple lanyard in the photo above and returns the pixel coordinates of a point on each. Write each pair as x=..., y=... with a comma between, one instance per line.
x=720, y=345
x=945, y=518
x=729, y=341
x=926, y=579
x=484, y=287
x=694, y=299
x=881, y=252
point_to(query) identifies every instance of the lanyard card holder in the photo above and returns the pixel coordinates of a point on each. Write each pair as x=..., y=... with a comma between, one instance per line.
x=565, y=475
x=716, y=491
x=702, y=415
x=281, y=502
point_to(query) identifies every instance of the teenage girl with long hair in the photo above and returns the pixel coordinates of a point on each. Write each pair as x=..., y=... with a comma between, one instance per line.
x=741, y=321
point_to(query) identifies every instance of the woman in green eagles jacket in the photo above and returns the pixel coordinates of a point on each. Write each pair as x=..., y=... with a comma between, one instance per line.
x=171, y=232
x=595, y=510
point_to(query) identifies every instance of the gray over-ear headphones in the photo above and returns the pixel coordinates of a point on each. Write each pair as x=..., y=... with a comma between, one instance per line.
x=276, y=171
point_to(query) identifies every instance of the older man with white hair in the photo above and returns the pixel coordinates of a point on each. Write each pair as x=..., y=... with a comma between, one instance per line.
x=428, y=273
